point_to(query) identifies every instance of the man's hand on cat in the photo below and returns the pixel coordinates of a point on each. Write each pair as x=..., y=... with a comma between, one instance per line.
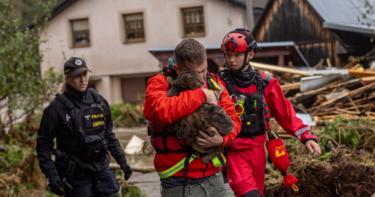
x=210, y=97
x=207, y=141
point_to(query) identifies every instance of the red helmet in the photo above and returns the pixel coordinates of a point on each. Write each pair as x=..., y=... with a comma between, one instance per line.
x=239, y=40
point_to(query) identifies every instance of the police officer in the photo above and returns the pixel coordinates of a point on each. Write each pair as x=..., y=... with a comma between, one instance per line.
x=80, y=120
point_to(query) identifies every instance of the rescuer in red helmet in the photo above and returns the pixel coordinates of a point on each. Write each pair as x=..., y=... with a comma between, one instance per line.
x=256, y=97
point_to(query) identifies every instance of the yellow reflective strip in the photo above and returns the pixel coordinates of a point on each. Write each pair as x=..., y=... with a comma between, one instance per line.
x=215, y=84
x=179, y=166
x=217, y=162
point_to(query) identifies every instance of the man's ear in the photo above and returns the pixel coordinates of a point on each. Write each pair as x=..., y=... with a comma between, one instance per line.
x=177, y=69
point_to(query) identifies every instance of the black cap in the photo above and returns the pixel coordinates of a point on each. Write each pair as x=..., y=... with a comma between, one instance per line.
x=75, y=66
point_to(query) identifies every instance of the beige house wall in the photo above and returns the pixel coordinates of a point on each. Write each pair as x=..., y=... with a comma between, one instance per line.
x=109, y=58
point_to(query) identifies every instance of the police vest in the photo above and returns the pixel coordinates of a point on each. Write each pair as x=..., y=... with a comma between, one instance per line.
x=250, y=107
x=89, y=122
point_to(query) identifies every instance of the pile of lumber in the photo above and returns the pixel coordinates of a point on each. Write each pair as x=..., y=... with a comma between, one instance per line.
x=326, y=94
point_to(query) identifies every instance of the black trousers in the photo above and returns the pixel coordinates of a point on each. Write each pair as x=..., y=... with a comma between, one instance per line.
x=98, y=184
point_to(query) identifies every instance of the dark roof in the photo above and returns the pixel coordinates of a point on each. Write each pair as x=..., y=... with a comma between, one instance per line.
x=298, y=53
x=339, y=15
x=60, y=6
x=242, y=3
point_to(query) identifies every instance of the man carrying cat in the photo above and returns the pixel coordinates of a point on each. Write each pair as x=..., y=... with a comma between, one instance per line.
x=172, y=160
x=256, y=96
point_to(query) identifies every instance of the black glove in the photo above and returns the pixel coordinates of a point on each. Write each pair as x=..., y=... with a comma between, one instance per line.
x=55, y=184
x=127, y=170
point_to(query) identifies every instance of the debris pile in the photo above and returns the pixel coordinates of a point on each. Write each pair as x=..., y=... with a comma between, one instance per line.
x=339, y=104
x=345, y=168
x=326, y=94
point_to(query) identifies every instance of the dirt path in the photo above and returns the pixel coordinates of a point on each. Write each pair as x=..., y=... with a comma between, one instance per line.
x=148, y=182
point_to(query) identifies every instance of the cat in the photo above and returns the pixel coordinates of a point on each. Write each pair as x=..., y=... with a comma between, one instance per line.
x=205, y=117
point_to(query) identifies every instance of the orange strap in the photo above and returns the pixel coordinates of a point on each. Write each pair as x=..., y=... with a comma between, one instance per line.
x=294, y=187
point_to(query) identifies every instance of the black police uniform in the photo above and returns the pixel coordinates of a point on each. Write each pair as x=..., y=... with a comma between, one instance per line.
x=93, y=178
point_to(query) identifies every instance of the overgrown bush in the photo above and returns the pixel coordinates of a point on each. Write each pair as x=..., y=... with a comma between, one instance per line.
x=127, y=115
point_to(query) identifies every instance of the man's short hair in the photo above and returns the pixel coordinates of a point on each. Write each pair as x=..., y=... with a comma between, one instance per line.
x=189, y=51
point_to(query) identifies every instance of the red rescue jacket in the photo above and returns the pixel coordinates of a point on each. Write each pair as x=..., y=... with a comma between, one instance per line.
x=283, y=112
x=162, y=110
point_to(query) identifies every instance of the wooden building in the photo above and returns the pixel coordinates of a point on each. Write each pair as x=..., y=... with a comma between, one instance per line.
x=319, y=28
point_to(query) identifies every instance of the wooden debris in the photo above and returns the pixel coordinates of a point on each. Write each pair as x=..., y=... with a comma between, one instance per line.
x=346, y=96
x=278, y=68
x=134, y=168
x=325, y=101
x=329, y=64
x=320, y=64
x=291, y=86
x=368, y=79
x=351, y=64
x=355, y=106
x=361, y=73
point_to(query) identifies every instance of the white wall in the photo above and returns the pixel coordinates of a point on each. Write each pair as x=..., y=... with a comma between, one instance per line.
x=108, y=55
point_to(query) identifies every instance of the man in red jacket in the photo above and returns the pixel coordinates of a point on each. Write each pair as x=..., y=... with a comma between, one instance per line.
x=257, y=97
x=174, y=161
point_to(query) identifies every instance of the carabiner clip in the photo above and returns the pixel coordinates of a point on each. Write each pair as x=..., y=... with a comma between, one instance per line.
x=236, y=97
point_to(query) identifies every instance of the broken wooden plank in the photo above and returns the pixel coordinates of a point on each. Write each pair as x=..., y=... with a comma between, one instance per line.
x=329, y=63
x=368, y=79
x=358, y=101
x=355, y=106
x=352, y=63
x=361, y=73
x=302, y=96
x=278, y=68
x=348, y=112
x=115, y=166
x=343, y=97
x=291, y=86
x=356, y=66
x=359, y=106
x=319, y=64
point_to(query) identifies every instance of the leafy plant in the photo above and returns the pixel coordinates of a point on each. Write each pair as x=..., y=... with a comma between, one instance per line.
x=22, y=89
x=127, y=115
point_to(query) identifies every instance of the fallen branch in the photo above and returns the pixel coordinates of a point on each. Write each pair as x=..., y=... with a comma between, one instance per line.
x=134, y=168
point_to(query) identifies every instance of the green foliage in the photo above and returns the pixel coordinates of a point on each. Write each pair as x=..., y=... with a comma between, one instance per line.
x=21, y=86
x=127, y=115
x=13, y=154
x=324, y=156
x=25, y=10
x=128, y=189
x=352, y=131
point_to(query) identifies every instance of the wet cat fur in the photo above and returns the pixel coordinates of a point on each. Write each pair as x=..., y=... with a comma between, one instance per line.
x=205, y=117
